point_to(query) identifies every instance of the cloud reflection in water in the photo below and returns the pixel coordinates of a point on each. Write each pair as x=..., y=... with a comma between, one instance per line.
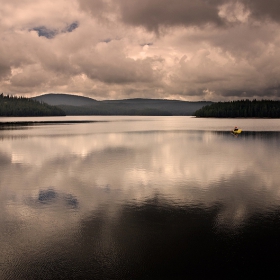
x=99, y=200
x=185, y=168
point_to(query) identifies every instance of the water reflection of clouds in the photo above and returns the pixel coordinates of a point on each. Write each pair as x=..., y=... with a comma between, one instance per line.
x=184, y=168
x=36, y=150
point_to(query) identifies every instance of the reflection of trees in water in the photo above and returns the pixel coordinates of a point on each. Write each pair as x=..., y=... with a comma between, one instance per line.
x=158, y=240
x=252, y=134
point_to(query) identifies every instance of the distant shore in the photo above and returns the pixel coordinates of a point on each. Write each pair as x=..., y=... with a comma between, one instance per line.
x=46, y=122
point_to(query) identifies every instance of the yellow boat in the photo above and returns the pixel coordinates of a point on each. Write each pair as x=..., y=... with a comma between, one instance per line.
x=237, y=131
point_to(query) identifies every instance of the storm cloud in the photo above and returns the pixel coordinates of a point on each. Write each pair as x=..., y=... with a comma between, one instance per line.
x=104, y=49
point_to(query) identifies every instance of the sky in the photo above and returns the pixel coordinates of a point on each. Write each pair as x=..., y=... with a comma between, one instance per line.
x=214, y=50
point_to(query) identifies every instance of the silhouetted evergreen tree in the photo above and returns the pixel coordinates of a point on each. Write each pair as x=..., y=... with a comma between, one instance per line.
x=12, y=106
x=241, y=109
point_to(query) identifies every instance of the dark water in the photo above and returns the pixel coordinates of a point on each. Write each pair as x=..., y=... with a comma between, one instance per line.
x=140, y=198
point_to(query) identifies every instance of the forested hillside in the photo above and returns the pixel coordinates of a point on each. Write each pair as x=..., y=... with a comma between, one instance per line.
x=241, y=109
x=11, y=106
x=56, y=99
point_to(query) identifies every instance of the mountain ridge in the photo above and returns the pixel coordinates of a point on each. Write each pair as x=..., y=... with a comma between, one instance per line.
x=81, y=105
x=56, y=99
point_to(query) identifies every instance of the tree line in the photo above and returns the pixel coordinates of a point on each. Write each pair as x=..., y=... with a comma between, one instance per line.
x=241, y=109
x=13, y=106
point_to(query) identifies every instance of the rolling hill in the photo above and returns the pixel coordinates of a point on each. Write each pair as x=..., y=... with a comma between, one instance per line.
x=79, y=105
x=56, y=99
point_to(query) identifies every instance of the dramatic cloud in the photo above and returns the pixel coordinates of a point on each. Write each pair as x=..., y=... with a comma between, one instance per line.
x=152, y=14
x=260, y=9
x=184, y=49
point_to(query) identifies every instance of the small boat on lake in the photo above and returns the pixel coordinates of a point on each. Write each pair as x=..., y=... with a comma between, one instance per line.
x=236, y=131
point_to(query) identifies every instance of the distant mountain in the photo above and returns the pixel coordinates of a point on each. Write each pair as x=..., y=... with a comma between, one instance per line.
x=79, y=105
x=56, y=99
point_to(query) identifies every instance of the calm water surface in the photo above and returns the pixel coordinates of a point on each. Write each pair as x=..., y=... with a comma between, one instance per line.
x=139, y=198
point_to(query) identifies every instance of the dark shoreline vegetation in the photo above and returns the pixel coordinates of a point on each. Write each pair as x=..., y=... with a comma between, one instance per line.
x=241, y=109
x=12, y=106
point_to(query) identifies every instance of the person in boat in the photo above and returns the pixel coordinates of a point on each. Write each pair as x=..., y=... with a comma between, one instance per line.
x=235, y=128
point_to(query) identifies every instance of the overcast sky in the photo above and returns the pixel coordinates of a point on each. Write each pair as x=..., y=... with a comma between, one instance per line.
x=113, y=49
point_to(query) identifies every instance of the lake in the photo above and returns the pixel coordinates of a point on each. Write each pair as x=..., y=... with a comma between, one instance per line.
x=105, y=197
